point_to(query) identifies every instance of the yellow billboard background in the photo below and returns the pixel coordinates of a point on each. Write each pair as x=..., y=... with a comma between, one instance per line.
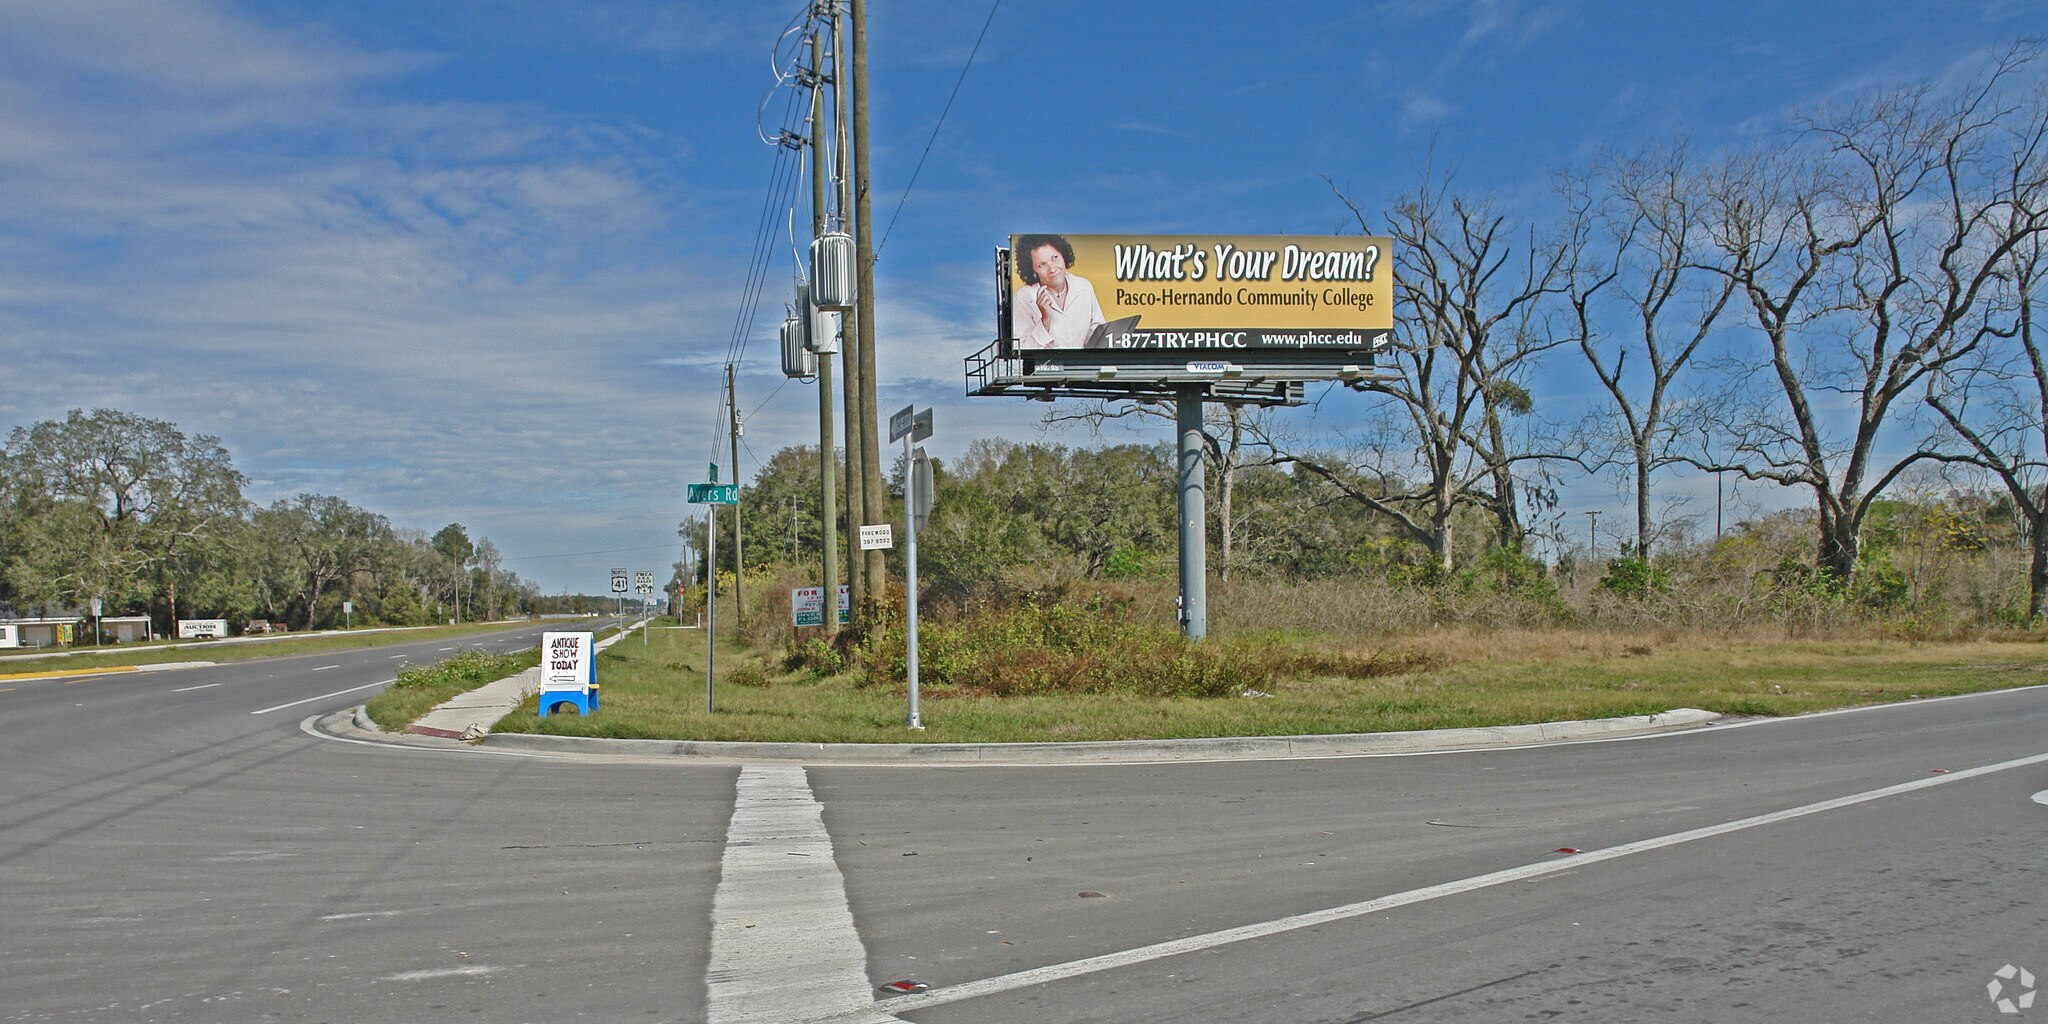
x=1251, y=291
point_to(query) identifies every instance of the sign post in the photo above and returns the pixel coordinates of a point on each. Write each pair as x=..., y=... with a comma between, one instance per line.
x=910, y=425
x=643, y=585
x=714, y=495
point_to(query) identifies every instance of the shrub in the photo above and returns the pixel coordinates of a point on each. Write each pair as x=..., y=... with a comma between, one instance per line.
x=1632, y=575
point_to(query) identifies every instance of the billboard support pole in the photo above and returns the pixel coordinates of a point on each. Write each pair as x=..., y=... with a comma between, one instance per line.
x=1194, y=556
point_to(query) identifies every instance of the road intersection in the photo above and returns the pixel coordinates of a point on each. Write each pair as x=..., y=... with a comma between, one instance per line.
x=195, y=846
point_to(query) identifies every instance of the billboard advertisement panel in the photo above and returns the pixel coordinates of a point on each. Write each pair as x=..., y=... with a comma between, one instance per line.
x=1240, y=297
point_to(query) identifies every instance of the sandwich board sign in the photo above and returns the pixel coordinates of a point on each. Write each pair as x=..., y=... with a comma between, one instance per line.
x=568, y=671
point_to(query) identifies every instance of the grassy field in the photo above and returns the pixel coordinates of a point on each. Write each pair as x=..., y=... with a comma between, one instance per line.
x=168, y=651
x=1461, y=678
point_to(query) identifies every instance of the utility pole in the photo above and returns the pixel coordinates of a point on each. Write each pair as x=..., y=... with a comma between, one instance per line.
x=854, y=323
x=739, y=592
x=864, y=259
x=828, y=462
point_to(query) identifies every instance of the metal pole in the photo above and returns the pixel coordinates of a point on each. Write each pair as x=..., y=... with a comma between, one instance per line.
x=910, y=575
x=1194, y=540
x=711, y=610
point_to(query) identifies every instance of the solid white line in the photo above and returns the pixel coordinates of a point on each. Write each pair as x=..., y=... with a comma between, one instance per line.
x=323, y=696
x=189, y=689
x=2041, y=797
x=783, y=945
x=324, y=668
x=1196, y=943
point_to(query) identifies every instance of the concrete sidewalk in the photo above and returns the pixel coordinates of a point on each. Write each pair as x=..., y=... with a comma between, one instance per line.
x=471, y=715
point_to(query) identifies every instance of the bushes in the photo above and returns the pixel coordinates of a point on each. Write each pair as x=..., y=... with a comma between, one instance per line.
x=1065, y=649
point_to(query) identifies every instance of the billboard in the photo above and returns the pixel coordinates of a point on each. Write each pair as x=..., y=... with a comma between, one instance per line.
x=1240, y=297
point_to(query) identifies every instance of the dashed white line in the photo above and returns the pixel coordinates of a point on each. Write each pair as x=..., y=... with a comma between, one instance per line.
x=2041, y=797
x=204, y=686
x=361, y=915
x=323, y=696
x=324, y=668
x=472, y=971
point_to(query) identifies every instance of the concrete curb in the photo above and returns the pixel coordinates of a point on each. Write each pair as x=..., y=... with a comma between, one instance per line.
x=1228, y=748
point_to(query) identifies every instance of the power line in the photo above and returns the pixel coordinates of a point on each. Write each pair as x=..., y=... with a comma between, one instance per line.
x=935, y=128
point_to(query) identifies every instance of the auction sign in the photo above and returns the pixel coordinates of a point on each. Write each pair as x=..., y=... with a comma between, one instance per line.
x=1239, y=297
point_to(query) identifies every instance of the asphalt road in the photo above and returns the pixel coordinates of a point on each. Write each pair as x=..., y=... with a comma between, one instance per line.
x=184, y=847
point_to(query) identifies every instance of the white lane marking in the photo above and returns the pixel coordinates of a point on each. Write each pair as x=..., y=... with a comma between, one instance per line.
x=395, y=657
x=189, y=689
x=324, y=668
x=323, y=696
x=2041, y=797
x=361, y=915
x=447, y=648
x=1196, y=943
x=471, y=971
x=783, y=945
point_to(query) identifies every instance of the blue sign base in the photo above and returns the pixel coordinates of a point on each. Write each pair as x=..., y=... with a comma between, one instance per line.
x=584, y=701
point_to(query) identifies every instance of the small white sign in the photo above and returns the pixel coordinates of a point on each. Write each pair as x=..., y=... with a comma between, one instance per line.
x=877, y=538
x=202, y=629
x=567, y=662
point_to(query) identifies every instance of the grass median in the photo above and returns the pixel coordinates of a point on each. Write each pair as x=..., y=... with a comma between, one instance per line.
x=1441, y=679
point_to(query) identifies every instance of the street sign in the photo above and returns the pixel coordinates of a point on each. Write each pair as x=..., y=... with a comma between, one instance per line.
x=921, y=426
x=714, y=494
x=618, y=581
x=900, y=423
x=877, y=538
x=95, y=606
x=643, y=583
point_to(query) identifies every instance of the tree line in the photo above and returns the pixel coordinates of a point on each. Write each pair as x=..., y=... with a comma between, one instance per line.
x=132, y=511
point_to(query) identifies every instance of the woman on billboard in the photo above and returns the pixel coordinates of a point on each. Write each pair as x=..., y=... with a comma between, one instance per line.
x=1054, y=309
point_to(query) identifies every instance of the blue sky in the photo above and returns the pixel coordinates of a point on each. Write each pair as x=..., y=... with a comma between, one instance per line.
x=480, y=262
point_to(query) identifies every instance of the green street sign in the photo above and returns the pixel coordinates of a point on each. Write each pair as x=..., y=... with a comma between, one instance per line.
x=714, y=494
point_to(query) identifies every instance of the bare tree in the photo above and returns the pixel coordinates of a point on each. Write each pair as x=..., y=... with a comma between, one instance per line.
x=1996, y=405
x=1639, y=235
x=1470, y=304
x=1864, y=253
